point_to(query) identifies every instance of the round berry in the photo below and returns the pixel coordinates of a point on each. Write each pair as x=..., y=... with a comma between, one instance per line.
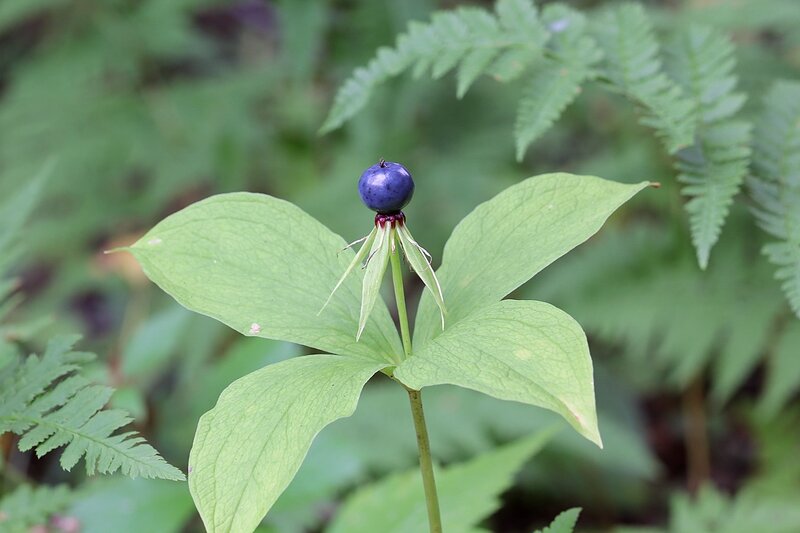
x=386, y=187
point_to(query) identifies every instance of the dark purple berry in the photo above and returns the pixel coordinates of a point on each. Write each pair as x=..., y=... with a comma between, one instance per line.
x=386, y=188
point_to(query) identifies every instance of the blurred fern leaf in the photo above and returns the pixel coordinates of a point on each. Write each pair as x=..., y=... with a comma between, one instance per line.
x=692, y=321
x=28, y=506
x=558, y=80
x=563, y=523
x=775, y=186
x=49, y=404
x=633, y=68
x=714, y=167
x=477, y=42
x=711, y=510
x=783, y=372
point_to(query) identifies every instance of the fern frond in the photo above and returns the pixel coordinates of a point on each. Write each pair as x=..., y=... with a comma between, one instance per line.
x=16, y=11
x=563, y=523
x=477, y=42
x=557, y=81
x=720, y=319
x=27, y=507
x=714, y=167
x=47, y=403
x=775, y=186
x=633, y=68
x=520, y=25
x=783, y=372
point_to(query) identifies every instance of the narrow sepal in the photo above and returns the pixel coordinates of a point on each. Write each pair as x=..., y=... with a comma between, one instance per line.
x=418, y=259
x=376, y=267
x=368, y=240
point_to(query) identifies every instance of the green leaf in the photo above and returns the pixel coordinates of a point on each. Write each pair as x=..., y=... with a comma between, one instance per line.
x=552, y=87
x=713, y=168
x=468, y=492
x=468, y=38
x=49, y=405
x=509, y=239
x=775, y=186
x=711, y=510
x=783, y=373
x=248, y=448
x=564, y=522
x=557, y=80
x=549, y=91
x=525, y=351
x=264, y=267
x=473, y=65
x=633, y=68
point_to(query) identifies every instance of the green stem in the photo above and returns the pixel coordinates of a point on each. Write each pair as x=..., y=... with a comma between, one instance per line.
x=425, y=461
x=415, y=397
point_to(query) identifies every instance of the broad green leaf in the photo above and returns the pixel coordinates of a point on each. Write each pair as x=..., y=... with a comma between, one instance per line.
x=509, y=239
x=563, y=523
x=525, y=351
x=468, y=492
x=249, y=446
x=264, y=267
x=376, y=267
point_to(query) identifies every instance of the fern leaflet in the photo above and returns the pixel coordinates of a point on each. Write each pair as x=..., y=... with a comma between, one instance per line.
x=564, y=522
x=776, y=184
x=47, y=403
x=714, y=167
x=633, y=68
x=558, y=80
x=27, y=507
x=472, y=39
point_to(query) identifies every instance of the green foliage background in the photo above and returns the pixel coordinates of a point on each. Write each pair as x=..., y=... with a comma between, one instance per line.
x=135, y=109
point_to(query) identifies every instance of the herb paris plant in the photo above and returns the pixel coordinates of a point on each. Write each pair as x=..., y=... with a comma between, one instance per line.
x=266, y=268
x=386, y=188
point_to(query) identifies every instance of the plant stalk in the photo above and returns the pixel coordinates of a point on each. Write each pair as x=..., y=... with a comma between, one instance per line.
x=415, y=397
x=425, y=461
x=696, y=435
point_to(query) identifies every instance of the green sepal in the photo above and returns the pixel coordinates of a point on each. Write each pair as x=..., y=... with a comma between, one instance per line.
x=419, y=263
x=368, y=240
x=377, y=262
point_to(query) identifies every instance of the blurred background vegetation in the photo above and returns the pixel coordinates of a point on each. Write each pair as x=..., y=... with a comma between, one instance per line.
x=115, y=113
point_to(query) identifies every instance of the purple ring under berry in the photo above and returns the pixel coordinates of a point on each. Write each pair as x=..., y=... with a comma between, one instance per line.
x=386, y=188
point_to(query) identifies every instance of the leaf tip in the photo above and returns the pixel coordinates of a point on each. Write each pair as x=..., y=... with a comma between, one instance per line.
x=593, y=434
x=118, y=249
x=703, y=254
x=655, y=184
x=328, y=126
